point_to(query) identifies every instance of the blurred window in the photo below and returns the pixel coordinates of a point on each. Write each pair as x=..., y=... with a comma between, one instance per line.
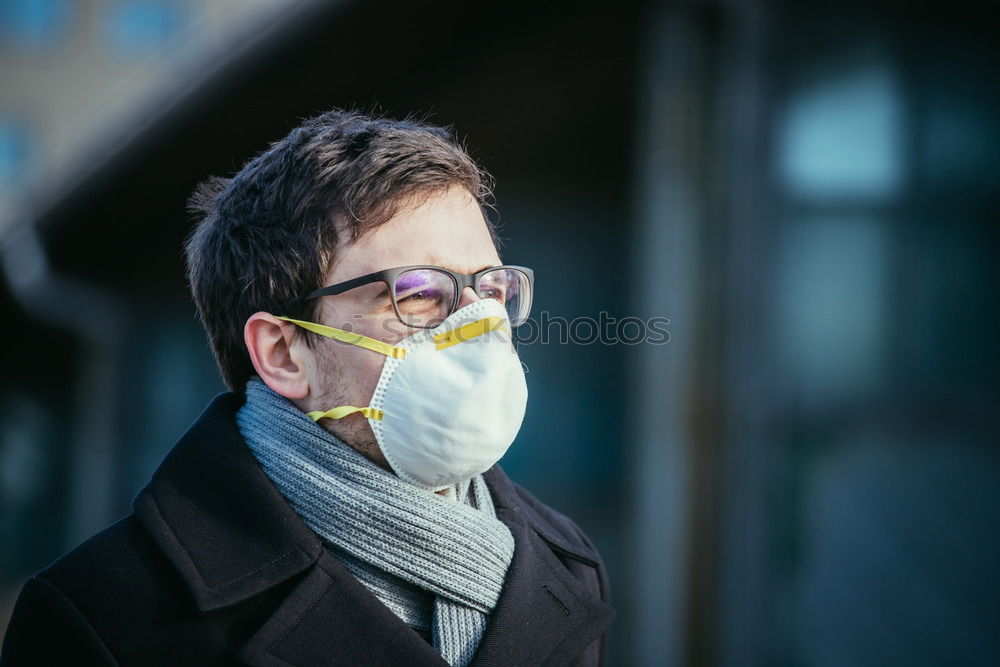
x=34, y=24
x=15, y=146
x=841, y=135
x=141, y=27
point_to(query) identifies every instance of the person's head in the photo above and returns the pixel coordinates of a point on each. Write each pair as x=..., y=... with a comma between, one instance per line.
x=342, y=195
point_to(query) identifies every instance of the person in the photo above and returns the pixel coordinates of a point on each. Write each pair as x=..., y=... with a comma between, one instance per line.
x=342, y=504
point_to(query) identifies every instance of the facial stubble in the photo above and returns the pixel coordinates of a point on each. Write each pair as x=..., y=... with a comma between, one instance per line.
x=354, y=430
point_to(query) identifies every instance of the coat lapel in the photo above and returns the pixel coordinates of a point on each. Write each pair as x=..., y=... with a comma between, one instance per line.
x=331, y=619
x=545, y=615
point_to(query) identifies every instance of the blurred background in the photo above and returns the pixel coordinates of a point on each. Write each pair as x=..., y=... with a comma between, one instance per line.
x=806, y=474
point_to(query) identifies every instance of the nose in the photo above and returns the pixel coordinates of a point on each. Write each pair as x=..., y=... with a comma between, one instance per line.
x=467, y=296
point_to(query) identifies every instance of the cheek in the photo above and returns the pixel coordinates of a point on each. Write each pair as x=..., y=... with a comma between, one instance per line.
x=353, y=374
x=369, y=369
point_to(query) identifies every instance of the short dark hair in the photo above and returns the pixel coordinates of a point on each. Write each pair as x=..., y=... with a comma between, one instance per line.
x=270, y=234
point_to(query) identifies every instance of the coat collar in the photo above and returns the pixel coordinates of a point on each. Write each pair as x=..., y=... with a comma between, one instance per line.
x=215, y=515
x=228, y=532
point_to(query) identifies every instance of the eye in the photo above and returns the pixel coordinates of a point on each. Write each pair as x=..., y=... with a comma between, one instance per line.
x=493, y=292
x=425, y=296
x=382, y=299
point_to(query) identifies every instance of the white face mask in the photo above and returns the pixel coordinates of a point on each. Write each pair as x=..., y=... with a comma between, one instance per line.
x=449, y=401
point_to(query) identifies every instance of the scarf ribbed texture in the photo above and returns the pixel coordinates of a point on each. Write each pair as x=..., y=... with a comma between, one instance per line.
x=437, y=562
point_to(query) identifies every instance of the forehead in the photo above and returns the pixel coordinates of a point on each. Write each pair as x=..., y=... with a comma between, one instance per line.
x=443, y=229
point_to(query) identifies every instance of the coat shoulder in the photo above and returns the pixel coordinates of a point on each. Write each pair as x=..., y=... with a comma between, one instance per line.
x=120, y=561
x=42, y=612
x=84, y=598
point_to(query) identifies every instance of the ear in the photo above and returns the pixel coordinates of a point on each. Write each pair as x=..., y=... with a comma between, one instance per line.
x=277, y=354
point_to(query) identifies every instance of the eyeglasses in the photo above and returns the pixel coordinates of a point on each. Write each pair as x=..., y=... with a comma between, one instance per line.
x=423, y=296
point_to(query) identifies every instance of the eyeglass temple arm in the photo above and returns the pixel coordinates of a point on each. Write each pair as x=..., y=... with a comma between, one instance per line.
x=340, y=288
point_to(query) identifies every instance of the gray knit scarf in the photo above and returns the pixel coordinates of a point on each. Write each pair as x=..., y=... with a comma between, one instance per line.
x=438, y=562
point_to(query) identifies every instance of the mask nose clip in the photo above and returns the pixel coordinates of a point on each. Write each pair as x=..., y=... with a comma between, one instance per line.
x=467, y=332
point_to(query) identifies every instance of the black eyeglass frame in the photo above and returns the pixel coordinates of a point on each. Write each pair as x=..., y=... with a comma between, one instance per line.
x=461, y=281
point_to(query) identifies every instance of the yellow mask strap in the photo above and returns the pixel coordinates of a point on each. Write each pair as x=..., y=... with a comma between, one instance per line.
x=343, y=411
x=352, y=338
x=467, y=332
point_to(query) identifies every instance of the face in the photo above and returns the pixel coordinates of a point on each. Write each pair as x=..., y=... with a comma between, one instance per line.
x=446, y=229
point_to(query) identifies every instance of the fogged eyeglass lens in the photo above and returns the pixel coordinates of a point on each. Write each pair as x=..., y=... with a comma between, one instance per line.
x=424, y=296
x=511, y=288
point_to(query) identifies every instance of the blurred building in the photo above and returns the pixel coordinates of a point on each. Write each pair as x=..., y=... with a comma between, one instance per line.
x=807, y=473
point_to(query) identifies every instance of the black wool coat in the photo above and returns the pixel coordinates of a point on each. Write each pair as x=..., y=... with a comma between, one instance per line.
x=213, y=567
